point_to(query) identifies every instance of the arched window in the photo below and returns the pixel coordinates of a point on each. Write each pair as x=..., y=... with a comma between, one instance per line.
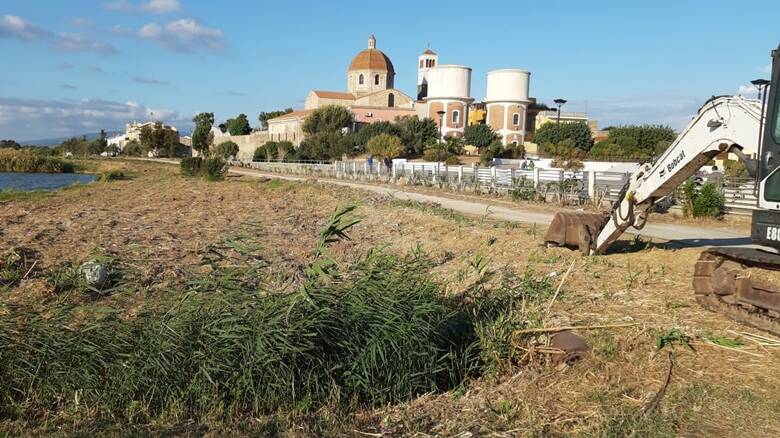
x=391, y=100
x=455, y=117
x=376, y=80
x=516, y=119
x=360, y=80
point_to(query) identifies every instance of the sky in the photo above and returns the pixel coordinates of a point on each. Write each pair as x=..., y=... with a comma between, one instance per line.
x=76, y=66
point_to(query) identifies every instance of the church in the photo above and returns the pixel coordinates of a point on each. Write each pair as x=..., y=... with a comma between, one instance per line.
x=443, y=94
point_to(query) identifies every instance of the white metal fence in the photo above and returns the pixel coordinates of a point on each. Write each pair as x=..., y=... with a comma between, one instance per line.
x=534, y=184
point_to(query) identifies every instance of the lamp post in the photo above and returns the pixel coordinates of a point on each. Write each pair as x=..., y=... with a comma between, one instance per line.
x=441, y=123
x=560, y=102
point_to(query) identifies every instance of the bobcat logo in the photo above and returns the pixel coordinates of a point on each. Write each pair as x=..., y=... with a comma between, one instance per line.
x=662, y=173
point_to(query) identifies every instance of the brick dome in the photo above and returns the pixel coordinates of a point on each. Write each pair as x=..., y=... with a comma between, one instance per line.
x=371, y=59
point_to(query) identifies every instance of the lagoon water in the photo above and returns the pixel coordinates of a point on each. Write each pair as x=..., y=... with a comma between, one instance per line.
x=41, y=181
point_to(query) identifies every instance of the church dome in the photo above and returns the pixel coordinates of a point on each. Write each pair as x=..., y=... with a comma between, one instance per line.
x=371, y=59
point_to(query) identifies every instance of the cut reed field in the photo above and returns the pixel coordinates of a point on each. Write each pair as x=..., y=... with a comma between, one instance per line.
x=376, y=331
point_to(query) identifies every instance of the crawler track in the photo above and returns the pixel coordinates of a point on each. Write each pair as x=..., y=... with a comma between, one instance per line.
x=723, y=284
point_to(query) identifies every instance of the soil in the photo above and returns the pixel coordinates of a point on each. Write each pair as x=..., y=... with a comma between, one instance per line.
x=167, y=224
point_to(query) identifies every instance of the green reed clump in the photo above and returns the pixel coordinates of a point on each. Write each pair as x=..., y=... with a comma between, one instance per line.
x=112, y=175
x=12, y=160
x=210, y=168
x=379, y=330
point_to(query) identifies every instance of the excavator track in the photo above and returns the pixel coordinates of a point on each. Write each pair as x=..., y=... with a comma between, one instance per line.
x=724, y=282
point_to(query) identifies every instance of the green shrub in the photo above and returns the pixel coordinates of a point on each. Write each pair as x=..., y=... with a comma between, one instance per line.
x=709, y=202
x=385, y=145
x=190, y=166
x=112, y=175
x=489, y=152
x=259, y=154
x=12, y=160
x=133, y=148
x=213, y=169
x=226, y=150
x=436, y=152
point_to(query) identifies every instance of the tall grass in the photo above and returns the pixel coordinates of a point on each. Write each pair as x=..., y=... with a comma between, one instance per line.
x=379, y=330
x=27, y=161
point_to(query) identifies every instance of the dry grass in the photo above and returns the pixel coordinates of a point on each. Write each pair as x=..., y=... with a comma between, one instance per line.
x=169, y=224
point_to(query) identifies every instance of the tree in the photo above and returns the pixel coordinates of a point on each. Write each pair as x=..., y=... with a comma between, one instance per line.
x=226, y=150
x=12, y=144
x=202, y=137
x=634, y=142
x=284, y=149
x=239, y=125
x=159, y=139
x=417, y=133
x=554, y=133
x=75, y=145
x=480, y=135
x=493, y=150
x=133, y=148
x=98, y=145
x=327, y=119
x=354, y=143
x=264, y=117
x=321, y=146
x=385, y=145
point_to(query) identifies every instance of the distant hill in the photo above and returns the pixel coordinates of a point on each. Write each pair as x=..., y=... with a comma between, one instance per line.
x=47, y=142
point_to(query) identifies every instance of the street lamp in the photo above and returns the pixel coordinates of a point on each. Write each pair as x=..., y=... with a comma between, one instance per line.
x=760, y=85
x=441, y=114
x=560, y=102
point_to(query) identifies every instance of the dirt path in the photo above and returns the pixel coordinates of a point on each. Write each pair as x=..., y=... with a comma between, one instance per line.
x=681, y=235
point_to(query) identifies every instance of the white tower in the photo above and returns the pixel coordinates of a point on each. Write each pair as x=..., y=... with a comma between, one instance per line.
x=449, y=94
x=372, y=42
x=507, y=103
x=427, y=60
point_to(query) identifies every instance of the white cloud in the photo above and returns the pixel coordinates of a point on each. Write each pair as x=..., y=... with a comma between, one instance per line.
x=149, y=81
x=81, y=22
x=117, y=6
x=151, y=6
x=12, y=26
x=73, y=42
x=747, y=90
x=766, y=69
x=26, y=119
x=185, y=35
x=161, y=6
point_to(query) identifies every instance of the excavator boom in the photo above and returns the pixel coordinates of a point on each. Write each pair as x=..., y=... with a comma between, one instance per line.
x=727, y=280
x=722, y=124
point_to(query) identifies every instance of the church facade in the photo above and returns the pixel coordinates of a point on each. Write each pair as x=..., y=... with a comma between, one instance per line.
x=443, y=94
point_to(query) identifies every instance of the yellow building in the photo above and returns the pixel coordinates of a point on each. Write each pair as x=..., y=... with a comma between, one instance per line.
x=477, y=115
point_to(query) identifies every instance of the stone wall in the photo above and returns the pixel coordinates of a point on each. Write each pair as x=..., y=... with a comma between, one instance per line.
x=246, y=143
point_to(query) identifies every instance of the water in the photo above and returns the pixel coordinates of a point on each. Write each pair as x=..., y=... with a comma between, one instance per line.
x=41, y=181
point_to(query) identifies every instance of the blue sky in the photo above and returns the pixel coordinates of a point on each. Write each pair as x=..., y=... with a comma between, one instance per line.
x=77, y=66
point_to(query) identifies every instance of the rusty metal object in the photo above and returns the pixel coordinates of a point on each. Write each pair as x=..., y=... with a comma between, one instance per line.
x=569, y=347
x=722, y=283
x=575, y=229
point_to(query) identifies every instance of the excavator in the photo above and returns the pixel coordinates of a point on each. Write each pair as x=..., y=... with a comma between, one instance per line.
x=730, y=280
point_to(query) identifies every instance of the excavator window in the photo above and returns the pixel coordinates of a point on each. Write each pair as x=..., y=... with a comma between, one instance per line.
x=772, y=187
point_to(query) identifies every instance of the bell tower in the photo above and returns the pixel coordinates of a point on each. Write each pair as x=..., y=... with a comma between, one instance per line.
x=426, y=61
